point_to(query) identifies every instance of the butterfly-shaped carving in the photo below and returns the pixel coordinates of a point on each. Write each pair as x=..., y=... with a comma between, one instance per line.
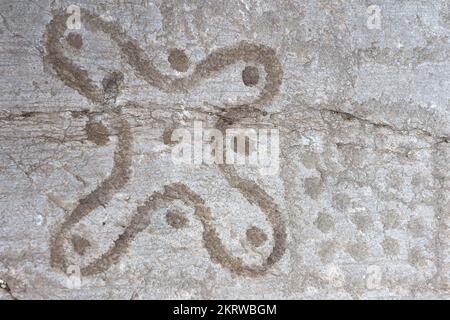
x=79, y=79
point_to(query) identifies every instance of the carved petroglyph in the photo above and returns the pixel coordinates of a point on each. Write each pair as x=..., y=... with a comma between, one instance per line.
x=256, y=236
x=178, y=60
x=77, y=78
x=105, y=94
x=119, y=177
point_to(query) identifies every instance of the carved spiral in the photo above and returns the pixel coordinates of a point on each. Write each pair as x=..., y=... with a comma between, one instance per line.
x=78, y=79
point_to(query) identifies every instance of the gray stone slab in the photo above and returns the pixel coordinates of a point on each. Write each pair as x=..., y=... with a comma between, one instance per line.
x=92, y=205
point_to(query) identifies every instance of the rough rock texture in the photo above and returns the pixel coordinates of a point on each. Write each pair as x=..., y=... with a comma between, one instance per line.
x=92, y=206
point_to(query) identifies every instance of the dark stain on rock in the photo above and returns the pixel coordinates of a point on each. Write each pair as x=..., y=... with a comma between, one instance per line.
x=176, y=220
x=358, y=251
x=248, y=146
x=28, y=114
x=257, y=196
x=167, y=136
x=324, y=222
x=70, y=73
x=118, y=178
x=80, y=114
x=256, y=236
x=313, y=187
x=211, y=240
x=80, y=244
x=417, y=258
x=178, y=60
x=250, y=76
x=97, y=133
x=77, y=78
x=327, y=250
x=111, y=85
x=416, y=227
x=75, y=40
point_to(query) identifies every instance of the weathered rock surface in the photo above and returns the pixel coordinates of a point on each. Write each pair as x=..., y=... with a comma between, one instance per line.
x=359, y=207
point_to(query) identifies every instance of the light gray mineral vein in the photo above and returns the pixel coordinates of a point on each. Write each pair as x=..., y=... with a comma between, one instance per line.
x=93, y=205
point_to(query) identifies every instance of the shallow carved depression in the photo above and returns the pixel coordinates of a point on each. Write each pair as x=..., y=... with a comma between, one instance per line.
x=79, y=79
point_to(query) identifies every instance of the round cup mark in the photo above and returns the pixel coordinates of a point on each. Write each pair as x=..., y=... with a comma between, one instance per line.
x=97, y=133
x=176, y=220
x=250, y=76
x=256, y=236
x=80, y=244
x=178, y=60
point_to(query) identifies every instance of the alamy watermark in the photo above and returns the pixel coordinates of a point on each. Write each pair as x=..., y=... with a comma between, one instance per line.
x=74, y=20
x=73, y=280
x=373, y=17
x=258, y=148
